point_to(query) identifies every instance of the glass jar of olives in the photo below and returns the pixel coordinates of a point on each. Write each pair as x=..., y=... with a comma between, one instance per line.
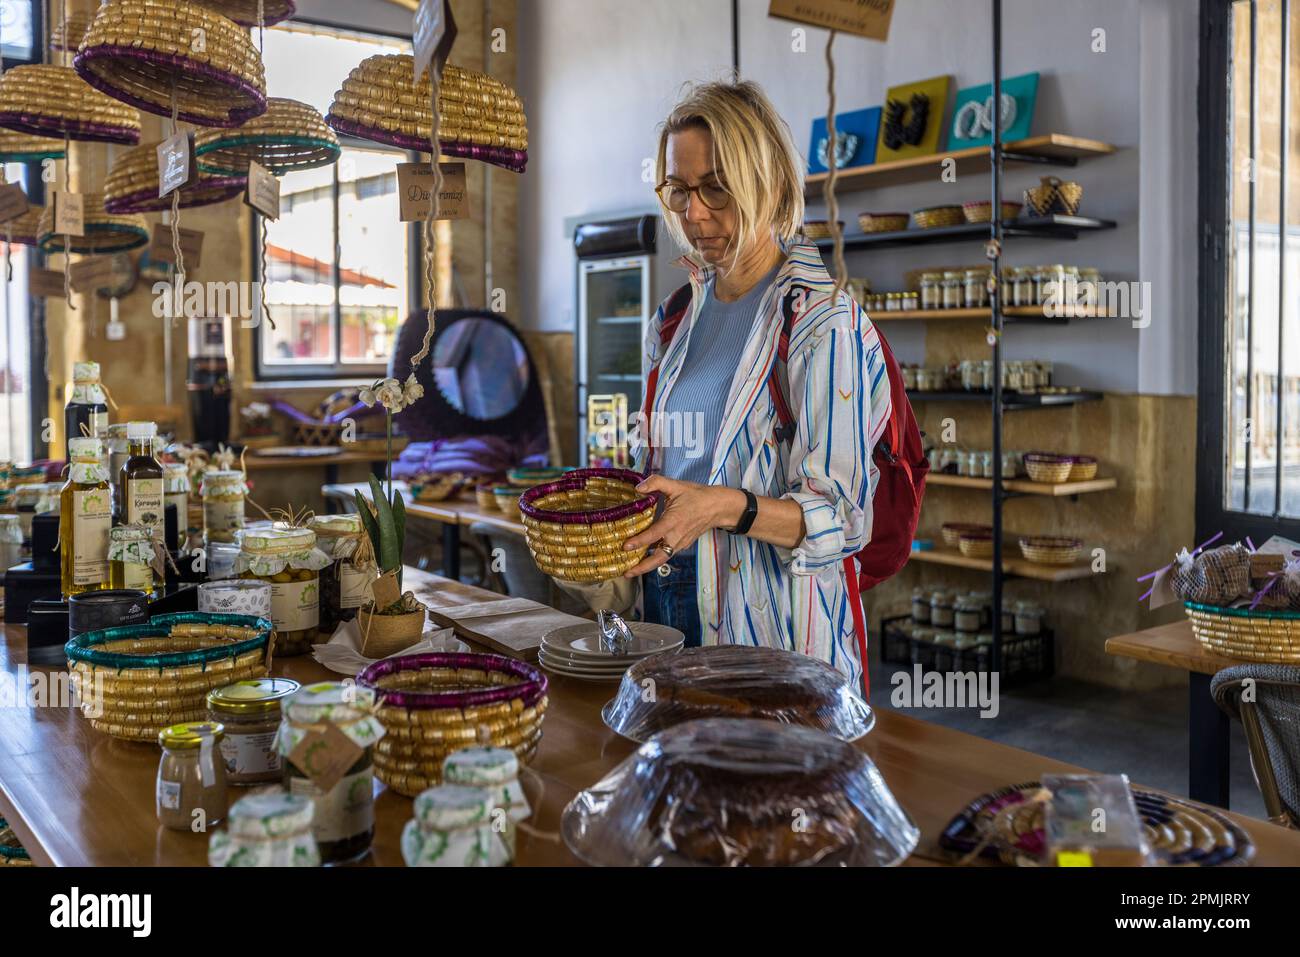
x=223, y=494
x=344, y=584
x=287, y=557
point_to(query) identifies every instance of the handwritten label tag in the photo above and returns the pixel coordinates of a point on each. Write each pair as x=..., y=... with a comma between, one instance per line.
x=69, y=214
x=263, y=191
x=414, y=183
x=325, y=756
x=385, y=590
x=88, y=275
x=866, y=18
x=13, y=201
x=160, y=246
x=176, y=166
x=45, y=283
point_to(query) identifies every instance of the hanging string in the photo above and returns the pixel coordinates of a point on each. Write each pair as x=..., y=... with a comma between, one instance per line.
x=261, y=292
x=429, y=241
x=67, y=240
x=178, y=256
x=832, y=205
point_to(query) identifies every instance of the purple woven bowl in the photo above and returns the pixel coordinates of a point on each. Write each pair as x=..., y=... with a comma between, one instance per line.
x=575, y=480
x=530, y=688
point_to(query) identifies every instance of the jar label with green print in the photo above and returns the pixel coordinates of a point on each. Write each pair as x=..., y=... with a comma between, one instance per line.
x=354, y=584
x=92, y=517
x=346, y=810
x=295, y=605
x=223, y=516
x=144, y=501
x=137, y=577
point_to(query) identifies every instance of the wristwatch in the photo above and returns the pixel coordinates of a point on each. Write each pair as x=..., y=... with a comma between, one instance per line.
x=748, y=515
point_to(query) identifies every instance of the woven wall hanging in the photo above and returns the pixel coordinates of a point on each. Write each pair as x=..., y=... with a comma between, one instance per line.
x=289, y=136
x=244, y=12
x=156, y=53
x=480, y=117
x=25, y=148
x=132, y=185
x=105, y=231
x=47, y=100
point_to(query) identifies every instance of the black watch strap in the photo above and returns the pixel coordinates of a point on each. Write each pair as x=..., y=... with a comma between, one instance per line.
x=747, y=517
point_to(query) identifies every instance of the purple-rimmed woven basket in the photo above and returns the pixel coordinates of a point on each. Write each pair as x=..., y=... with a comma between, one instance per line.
x=207, y=192
x=530, y=688
x=78, y=130
x=514, y=160
x=575, y=480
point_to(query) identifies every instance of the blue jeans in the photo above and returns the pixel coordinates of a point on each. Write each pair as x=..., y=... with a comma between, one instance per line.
x=670, y=599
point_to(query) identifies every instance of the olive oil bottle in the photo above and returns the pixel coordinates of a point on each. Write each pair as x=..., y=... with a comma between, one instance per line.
x=140, y=482
x=85, y=518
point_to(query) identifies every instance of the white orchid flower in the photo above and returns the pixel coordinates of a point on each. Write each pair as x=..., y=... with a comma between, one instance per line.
x=412, y=391
x=367, y=396
x=389, y=394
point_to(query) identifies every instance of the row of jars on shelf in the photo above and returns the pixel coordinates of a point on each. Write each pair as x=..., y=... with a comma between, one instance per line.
x=969, y=289
x=975, y=463
x=975, y=375
x=970, y=613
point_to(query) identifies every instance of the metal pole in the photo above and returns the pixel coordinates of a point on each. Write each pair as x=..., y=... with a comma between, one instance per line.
x=995, y=314
x=1250, y=278
x=1279, y=391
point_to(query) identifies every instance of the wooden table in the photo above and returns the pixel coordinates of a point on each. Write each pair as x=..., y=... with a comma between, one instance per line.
x=330, y=463
x=1175, y=646
x=76, y=797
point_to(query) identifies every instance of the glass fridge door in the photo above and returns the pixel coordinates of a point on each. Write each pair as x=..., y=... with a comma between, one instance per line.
x=613, y=313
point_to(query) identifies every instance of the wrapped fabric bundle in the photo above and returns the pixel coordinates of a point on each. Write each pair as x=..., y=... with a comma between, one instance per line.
x=1218, y=576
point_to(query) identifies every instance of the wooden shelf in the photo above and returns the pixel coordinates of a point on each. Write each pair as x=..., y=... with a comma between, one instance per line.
x=1017, y=314
x=1011, y=401
x=1052, y=226
x=1023, y=486
x=1052, y=148
x=1011, y=566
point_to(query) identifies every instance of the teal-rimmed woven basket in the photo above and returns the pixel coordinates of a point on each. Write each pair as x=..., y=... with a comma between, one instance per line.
x=290, y=136
x=1250, y=635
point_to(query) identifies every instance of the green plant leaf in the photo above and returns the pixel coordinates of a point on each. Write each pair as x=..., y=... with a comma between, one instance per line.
x=368, y=520
x=399, y=521
x=390, y=555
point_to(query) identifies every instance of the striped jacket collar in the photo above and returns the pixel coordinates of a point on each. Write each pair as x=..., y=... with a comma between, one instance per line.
x=803, y=263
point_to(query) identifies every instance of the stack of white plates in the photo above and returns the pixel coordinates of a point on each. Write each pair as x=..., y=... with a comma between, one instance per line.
x=576, y=651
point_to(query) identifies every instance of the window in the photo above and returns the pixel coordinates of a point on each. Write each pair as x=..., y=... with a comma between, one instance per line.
x=338, y=278
x=1248, y=480
x=18, y=27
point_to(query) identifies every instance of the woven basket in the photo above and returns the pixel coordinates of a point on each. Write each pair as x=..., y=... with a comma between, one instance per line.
x=436, y=703
x=1269, y=636
x=1083, y=468
x=528, y=477
x=953, y=531
x=288, y=137
x=142, y=52
x=24, y=148
x=816, y=229
x=1048, y=550
x=576, y=526
x=883, y=222
x=244, y=12
x=132, y=185
x=507, y=500
x=47, y=100
x=1054, y=195
x=976, y=546
x=105, y=232
x=934, y=216
x=485, y=497
x=981, y=211
x=78, y=23
x=25, y=230
x=479, y=117
x=1042, y=467
x=157, y=674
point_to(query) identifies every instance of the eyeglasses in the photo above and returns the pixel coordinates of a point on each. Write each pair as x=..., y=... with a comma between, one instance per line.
x=677, y=197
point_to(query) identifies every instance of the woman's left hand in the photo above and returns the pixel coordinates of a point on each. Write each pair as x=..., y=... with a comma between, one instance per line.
x=690, y=511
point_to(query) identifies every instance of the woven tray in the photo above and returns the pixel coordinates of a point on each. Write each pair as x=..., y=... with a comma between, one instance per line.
x=1267, y=636
x=47, y=100
x=883, y=222
x=105, y=232
x=151, y=677
x=436, y=703
x=952, y=532
x=1180, y=832
x=934, y=216
x=244, y=12
x=132, y=185
x=576, y=525
x=18, y=147
x=289, y=136
x=1051, y=551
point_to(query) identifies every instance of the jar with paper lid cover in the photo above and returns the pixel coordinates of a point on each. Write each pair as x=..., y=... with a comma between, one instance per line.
x=287, y=557
x=266, y=829
x=346, y=580
x=496, y=770
x=191, y=786
x=223, y=492
x=452, y=827
x=250, y=712
x=131, y=558
x=176, y=492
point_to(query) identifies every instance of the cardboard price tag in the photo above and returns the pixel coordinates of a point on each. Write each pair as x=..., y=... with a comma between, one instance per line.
x=176, y=166
x=385, y=590
x=263, y=191
x=160, y=246
x=69, y=214
x=45, y=283
x=13, y=201
x=325, y=756
x=866, y=18
x=415, y=184
x=88, y=275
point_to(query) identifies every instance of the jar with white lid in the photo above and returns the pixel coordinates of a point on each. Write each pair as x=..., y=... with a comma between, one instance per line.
x=932, y=290
x=975, y=286
x=986, y=465
x=223, y=492
x=966, y=614
x=1029, y=618
x=920, y=606
x=346, y=581
x=452, y=827
x=985, y=600
x=496, y=770
x=909, y=378
x=266, y=829
x=287, y=557
x=911, y=300
x=941, y=611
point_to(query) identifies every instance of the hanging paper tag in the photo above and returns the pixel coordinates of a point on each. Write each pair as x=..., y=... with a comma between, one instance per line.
x=866, y=18
x=13, y=201
x=263, y=191
x=160, y=246
x=433, y=33
x=96, y=272
x=176, y=166
x=325, y=756
x=385, y=590
x=45, y=283
x=414, y=183
x=69, y=214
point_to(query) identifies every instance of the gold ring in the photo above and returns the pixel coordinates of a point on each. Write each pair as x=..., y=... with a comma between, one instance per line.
x=667, y=548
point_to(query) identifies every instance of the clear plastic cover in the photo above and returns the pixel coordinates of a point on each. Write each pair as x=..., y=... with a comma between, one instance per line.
x=735, y=681
x=729, y=792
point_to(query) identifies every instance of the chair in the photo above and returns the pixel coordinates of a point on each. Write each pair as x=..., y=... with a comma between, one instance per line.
x=1267, y=700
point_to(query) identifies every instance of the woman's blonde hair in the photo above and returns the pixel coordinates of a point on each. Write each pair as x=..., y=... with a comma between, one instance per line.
x=754, y=156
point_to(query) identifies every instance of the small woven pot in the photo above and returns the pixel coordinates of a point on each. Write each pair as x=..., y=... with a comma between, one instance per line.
x=1054, y=195
x=46, y=100
x=953, y=531
x=976, y=546
x=143, y=52
x=105, y=232
x=384, y=635
x=289, y=136
x=1252, y=635
x=244, y=12
x=982, y=210
x=1047, y=468
x=132, y=185
x=433, y=704
x=24, y=148
x=883, y=222
x=1082, y=468
x=479, y=117
x=1049, y=550
x=576, y=525
x=816, y=229
x=935, y=216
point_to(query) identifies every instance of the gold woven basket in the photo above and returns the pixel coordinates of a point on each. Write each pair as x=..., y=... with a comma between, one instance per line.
x=78, y=23
x=46, y=100
x=1054, y=195
x=18, y=147
x=479, y=117
x=25, y=230
x=575, y=526
x=816, y=229
x=132, y=185
x=935, y=216
x=953, y=531
x=244, y=12
x=976, y=546
x=1266, y=636
x=485, y=497
x=144, y=52
x=883, y=222
x=289, y=136
x=105, y=232
x=132, y=682
x=1048, y=550
x=1051, y=469
x=433, y=704
x=1083, y=468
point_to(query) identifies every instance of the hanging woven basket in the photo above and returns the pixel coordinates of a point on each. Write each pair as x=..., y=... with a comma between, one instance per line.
x=289, y=136
x=45, y=100
x=70, y=39
x=25, y=148
x=132, y=185
x=25, y=230
x=145, y=52
x=105, y=232
x=480, y=117
x=244, y=12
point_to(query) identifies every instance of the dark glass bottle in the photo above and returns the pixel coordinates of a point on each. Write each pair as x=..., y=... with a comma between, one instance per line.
x=140, y=483
x=86, y=406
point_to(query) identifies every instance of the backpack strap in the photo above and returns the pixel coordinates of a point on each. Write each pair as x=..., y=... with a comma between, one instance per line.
x=777, y=380
x=674, y=311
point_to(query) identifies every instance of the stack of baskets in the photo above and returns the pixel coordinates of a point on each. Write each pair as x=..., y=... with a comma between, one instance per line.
x=1054, y=195
x=436, y=703
x=576, y=525
x=136, y=680
x=954, y=531
x=1248, y=634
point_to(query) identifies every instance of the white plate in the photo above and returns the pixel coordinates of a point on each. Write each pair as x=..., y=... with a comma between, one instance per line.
x=582, y=675
x=608, y=663
x=583, y=641
x=559, y=664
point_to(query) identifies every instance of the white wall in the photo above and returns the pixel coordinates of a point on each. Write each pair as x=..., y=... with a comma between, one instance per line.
x=378, y=15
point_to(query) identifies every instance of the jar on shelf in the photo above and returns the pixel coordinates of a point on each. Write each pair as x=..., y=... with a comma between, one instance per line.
x=496, y=770
x=344, y=583
x=266, y=829
x=911, y=300
x=986, y=465
x=452, y=827
x=176, y=491
x=250, y=713
x=985, y=601
x=1010, y=465
x=966, y=614
x=1028, y=618
x=893, y=302
x=909, y=378
x=953, y=294
x=119, y=450
x=132, y=558
x=1089, y=287
x=191, y=786
x=941, y=611
x=975, y=288
x=1022, y=292
x=1070, y=279
x=973, y=464
x=932, y=290
x=287, y=557
x=223, y=494
x=970, y=374
x=1045, y=370
x=343, y=821
x=1013, y=375
x=986, y=375
x=920, y=606
x=11, y=542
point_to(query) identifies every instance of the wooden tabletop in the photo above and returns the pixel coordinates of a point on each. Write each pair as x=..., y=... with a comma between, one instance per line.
x=1173, y=645
x=76, y=797
x=460, y=509
x=254, y=461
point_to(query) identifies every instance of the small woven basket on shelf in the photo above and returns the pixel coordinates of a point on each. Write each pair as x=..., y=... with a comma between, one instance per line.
x=953, y=531
x=1052, y=469
x=485, y=497
x=1054, y=195
x=816, y=229
x=105, y=232
x=1083, y=468
x=435, y=703
x=976, y=546
x=883, y=222
x=142, y=52
x=288, y=137
x=18, y=147
x=981, y=211
x=1049, y=550
x=136, y=680
x=47, y=100
x=480, y=117
x=1251, y=635
x=576, y=525
x=244, y=12
x=507, y=500
x=934, y=216
x=132, y=185
x=528, y=477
